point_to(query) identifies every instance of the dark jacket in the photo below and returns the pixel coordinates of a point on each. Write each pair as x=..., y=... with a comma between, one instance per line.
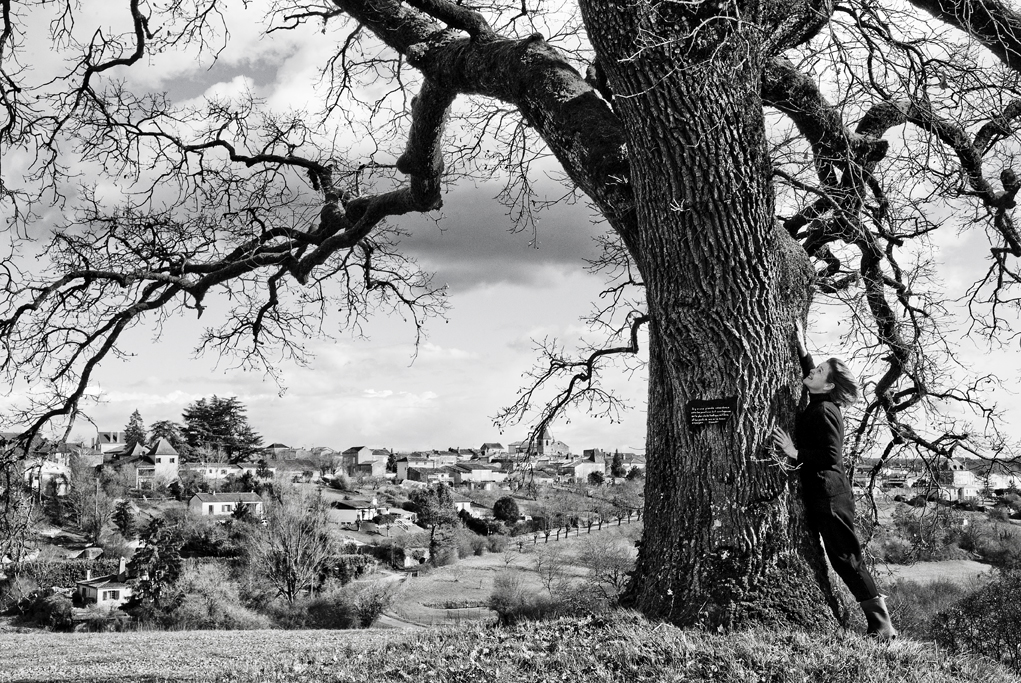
x=819, y=436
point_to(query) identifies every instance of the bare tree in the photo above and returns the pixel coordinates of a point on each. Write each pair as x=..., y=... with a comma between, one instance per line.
x=610, y=559
x=296, y=545
x=551, y=566
x=751, y=161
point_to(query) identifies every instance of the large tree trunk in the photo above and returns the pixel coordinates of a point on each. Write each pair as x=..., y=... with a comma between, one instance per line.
x=724, y=543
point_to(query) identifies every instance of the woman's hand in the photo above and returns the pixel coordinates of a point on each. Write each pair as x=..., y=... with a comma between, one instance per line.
x=799, y=337
x=782, y=440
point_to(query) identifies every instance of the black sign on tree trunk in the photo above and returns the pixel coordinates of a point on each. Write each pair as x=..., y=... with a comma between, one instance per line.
x=712, y=411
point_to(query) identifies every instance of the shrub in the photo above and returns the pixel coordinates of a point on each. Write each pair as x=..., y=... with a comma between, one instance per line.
x=497, y=544
x=210, y=600
x=47, y=608
x=369, y=600
x=914, y=604
x=347, y=568
x=506, y=509
x=892, y=548
x=1000, y=513
x=513, y=602
x=328, y=610
x=998, y=543
x=987, y=622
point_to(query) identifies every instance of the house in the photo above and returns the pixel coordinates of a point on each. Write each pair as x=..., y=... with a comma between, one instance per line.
x=579, y=470
x=430, y=476
x=960, y=480
x=110, y=591
x=46, y=476
x=539, y=476
x=254, y=468
x=213, y=471
x=547, y=445
x=354, y=511
x=476, y=473
x=224, y=504
x=279, y=451
x=297, y=469
x=408, y=462
x=146, y=468
x=375, y=468
x=109, y=441
x=356, y=456
x=492, y=448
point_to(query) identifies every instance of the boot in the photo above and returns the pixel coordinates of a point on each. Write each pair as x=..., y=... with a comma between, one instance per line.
x=878, y=619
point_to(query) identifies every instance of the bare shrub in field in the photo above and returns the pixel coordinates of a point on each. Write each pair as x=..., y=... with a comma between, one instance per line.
x=987, y=622
x=551, y=566
x=997, y=542
x=913, y=604
x=211, y=600
x=369, y=600
x=514, y=602
x=610, y=559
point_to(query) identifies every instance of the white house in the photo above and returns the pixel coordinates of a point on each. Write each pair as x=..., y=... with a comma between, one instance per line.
x=223, y=504
x=112, y=590
x=579, y=470
x=146, y=467
x=477, y=473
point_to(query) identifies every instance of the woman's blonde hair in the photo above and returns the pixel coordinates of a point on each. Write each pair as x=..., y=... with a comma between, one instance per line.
x=845, y=385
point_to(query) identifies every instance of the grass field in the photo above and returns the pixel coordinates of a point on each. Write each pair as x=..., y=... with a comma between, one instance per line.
x=617, y=648
x=961, y=571
x=424, y=599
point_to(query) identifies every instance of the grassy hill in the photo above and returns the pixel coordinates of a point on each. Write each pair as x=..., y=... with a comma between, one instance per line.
x=621, y=647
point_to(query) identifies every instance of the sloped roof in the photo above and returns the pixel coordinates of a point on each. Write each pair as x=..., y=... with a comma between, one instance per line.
x=162, y=447
x=109, y=581
x=248, y=497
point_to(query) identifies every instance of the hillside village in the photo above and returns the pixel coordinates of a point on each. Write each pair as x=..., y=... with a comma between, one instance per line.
x=375, y=505
x=547, y=461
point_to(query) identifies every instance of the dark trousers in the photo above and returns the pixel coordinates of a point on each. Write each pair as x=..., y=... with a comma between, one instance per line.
x=833, y=520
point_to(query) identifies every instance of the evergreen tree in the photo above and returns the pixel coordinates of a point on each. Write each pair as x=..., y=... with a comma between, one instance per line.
x=617, y=465
x=219, y=427
x=134, y=432
x=124, y=520
x=173, y=433
x=435, y=509
x=157, y=563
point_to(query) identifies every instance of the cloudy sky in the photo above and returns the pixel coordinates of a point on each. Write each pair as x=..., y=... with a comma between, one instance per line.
x=504, y=290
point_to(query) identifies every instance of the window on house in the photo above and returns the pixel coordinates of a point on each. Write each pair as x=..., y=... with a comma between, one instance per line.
x=225, y=508
x=157, y=461
x=210, y=509
x=115, y=595
x=172, y=461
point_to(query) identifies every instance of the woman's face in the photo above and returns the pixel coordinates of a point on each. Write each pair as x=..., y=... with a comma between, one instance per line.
x=818, y=380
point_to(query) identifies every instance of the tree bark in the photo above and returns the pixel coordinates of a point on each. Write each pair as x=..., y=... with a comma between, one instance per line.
x=724, y=543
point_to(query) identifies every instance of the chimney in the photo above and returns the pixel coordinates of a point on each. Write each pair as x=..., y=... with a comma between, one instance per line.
x=88, y=574
x=122, y=569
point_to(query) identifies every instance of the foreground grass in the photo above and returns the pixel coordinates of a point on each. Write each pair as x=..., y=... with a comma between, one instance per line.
x=619, y=648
